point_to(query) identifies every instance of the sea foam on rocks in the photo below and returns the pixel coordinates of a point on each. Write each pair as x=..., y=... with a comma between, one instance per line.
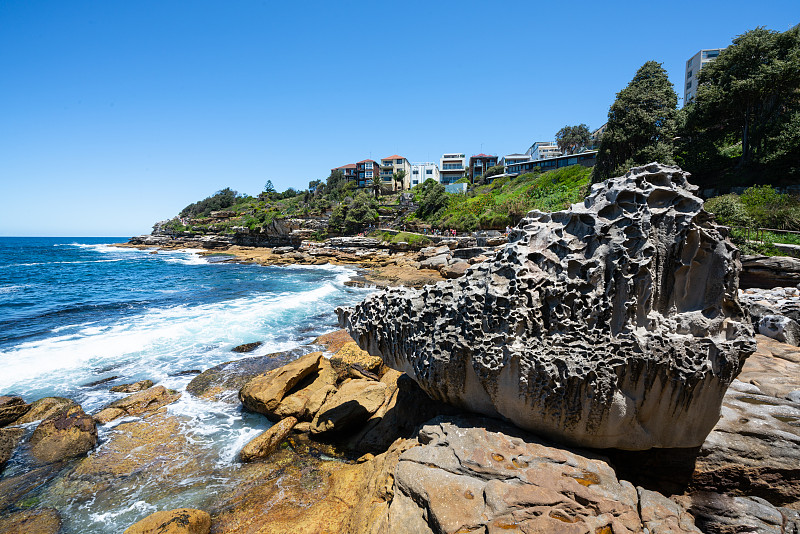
x=614, y=323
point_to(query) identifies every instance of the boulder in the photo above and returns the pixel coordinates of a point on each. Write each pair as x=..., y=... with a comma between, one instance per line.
x=435, y=262
x=781, y=328
x=476, y=475
x=46, y=408
x=132, y=388
x=264, y=393
x=455, y=269
x=180, y=521
x=265, y=443
x=769, y=271
x=11, y=409
x=44, y=521
x=247, y=347
x=350, y=357
x=351, y=405
x=720, y=513
x=308, y=396
x=69, y=434
x=9, y=438
x=223, y=382
x=609, y=324
x=149, y=400
x=333, y=341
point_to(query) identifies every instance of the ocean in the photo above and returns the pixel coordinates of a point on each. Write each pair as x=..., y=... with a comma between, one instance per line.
x=75, y=311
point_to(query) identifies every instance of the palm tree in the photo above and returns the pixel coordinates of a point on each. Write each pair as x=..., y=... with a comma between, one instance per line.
x=399, y=178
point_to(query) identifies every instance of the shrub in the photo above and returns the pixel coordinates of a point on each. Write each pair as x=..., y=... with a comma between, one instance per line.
x=729, y=210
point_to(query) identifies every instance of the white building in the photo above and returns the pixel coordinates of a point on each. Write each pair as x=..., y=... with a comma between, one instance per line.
x=452, y=167
x=423, y=171
x=543, y=150
x=693, y=66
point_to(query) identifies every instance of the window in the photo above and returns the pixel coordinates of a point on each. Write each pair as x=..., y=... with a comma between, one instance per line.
x=689, y=74
x=415, y=171
x=428, y=171
x=709, y=54
x=369, y=173
x=399, y=161
x=368, y=165
x=689, y=84
x=689, y=63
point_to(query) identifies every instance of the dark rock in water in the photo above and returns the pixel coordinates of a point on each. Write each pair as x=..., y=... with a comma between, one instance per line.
x=610, y=324
x=9, y=438
x=188, y=372
x=132, y=388
x=224, y=381
x=67, y=435
x=99, y=382
x=148, y=400
x=11, y=409
x=247, y=347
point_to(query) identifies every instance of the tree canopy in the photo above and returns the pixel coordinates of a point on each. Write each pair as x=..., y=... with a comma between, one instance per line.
x=642, y=124
x=570, y=139
x=220, y=200
x=745, y=118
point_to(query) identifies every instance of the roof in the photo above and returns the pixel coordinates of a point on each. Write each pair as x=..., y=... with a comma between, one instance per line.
x=394, y=157
x=367, y=161
x=348, y=166
x=483, y=156
x=516, y=155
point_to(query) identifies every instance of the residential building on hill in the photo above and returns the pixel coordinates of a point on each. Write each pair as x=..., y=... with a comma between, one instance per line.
x=587, y=159
x=513, y=158
x=543, y=150
x=594, y=138
x=423, y=171
x=452, y=167
x=478, y=165
x=390, y=166
x=349, y=171
x=367, y=170
x=693, y=66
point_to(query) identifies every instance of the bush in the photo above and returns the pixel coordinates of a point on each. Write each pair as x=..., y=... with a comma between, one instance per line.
x=729, y=210
x=771, y=209
x=222, y=199
x=495, y=221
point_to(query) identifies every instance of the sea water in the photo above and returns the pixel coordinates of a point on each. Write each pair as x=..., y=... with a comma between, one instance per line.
x=75, y=311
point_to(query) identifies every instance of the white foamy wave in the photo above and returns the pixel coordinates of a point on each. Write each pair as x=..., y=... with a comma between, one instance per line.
x=14, y=289
x=139, y=506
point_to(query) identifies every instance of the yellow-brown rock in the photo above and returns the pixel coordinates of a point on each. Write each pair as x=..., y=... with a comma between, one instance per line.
x=148, y=400
x=353, y=403
x=180, y=521
x=305, y=400
x=45, y=408
x=46, y=521
x=334, y=341
x=265, y=392
x=265, y=443
x=132, y=388
x=11, y=409
x=350, y=356
x=67, y=435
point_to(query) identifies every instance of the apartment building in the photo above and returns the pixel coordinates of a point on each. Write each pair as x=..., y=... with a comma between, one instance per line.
x=452, y=167
x=587, y=159
x=349, y=171
x=508, y=159
x=543, y=150
x=423, y=171
x=367, y=170
x=392, y=165
x=478, y=165
x=693, y=66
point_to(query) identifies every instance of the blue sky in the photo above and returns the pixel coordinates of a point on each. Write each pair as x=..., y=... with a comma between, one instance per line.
x=114, y=115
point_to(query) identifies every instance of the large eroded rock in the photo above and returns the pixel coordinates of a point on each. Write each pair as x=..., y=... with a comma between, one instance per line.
x=610, y=324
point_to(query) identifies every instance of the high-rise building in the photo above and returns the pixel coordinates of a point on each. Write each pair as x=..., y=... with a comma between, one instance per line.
x=693, y=66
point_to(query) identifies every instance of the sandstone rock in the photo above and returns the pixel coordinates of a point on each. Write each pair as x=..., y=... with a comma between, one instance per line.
x=477, y=259
x=351, y=357
x=435, y=262
x=607, y=325
x=475, y=475
x=719, y=513
x=334, y=341
x=352, y=404
x=9, y=438
x=769, y=271
x=11, y=409
x=45, y=408
x=180, y=521
x=247, y=347
x=223, y=382
x=308, y=396
x=69, y=434
x=132, y=388
x=148, y=400
x=455, y=269
x=265, y=392
x=780, y=328
x=45, y=521
x=265, y=443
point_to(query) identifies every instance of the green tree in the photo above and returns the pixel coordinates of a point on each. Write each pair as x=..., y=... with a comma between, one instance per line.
x=361, y=213
x=570, y=139
x=268, y=187
x=433, y=199
x=399, y=179
x=493, y=171
x=642, y=124
x=747, y=109
x=222, y=199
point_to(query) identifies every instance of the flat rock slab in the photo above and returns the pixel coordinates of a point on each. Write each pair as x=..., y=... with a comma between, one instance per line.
x=148, y=400
x=476, y=475
x=46, y=521
x=264, y=393
x=265, y=443
x=180, y=521
x=132, y=388
x=46, y=408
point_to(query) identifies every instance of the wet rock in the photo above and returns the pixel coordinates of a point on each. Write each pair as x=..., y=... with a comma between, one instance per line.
x=223, y=382
x=9, y=438
x=45, y=521
x=67, y=435
x=352, y=404
x=46, y=408
x=180, y=521
x=99, y=382
x=132, y=388
x=264, y=393
x=475, y=475
x=609, y=324
x=11, y=409
x=781, y=328
x=265, y=443
x=148, y=400
x=247, y=347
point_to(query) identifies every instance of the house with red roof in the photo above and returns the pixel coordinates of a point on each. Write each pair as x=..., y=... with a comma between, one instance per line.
x=392, y=165
x=479, y=164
